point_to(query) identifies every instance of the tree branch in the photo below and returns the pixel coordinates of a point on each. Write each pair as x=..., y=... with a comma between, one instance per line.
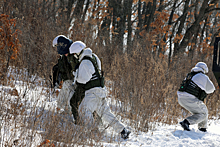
x=214, y=9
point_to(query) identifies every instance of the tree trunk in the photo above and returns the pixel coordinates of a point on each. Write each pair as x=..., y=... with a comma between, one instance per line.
x=128, y=6
x=193, y=29
x=152, y=9
x=78, y=11
x=69, y=9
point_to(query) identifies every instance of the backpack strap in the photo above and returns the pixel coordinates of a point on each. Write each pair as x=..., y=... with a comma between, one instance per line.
x=94, y=62
x=99, y=82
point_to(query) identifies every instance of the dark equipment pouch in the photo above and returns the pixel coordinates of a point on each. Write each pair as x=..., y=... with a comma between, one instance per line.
x=190, y=87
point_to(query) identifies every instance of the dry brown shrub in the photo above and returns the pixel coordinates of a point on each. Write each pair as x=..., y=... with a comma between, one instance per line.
x=147, y=86
x=141, y=81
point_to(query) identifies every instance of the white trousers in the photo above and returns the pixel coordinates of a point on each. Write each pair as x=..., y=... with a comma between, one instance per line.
x=64, y=97
x=95, y=101
x=197, y=108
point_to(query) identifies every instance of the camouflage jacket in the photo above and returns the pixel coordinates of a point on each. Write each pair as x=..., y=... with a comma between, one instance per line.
x=65, y=65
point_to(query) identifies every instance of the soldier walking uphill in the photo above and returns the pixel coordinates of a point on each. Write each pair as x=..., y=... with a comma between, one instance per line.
x=90, y=93
x=62, y=71
x=191, y=95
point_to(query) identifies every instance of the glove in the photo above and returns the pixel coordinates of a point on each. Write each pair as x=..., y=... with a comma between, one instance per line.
x=74, y=73
x=74, y=85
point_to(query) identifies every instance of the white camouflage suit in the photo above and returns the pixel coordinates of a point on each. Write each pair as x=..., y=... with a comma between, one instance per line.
x=64, y=97
x=94, y=99
x=195, y=106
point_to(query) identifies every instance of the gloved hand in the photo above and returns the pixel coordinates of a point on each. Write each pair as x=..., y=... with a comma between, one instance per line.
x=74, y=73
x=74, y=85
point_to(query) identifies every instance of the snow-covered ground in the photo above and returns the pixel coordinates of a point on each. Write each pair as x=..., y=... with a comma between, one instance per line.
x=174, y=136
x=162, y=136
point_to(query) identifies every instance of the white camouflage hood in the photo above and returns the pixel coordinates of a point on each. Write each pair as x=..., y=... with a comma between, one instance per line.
x=86, y=52
x=197, y=69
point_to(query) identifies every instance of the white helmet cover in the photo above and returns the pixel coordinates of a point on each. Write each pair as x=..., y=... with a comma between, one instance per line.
x=55, y=40
x=77, y=47
x=203, y=66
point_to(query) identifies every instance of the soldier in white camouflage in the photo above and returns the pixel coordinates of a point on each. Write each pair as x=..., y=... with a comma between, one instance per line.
x=191, y=95
x=90, y=94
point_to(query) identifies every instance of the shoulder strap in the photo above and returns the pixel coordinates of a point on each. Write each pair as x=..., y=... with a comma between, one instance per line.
x=94, y=62
x=191, y=74
x=100, y=81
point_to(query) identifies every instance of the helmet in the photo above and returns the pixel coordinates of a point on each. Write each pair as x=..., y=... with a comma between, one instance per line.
x=62, y=43
x=77, y=47
x=203, y=66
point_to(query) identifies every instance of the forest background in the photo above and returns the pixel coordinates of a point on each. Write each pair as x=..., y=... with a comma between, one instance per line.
x=147, y=47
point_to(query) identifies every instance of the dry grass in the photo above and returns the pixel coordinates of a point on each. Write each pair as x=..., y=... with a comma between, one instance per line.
x=146, y=87
x=149, y=87
x=144, y=84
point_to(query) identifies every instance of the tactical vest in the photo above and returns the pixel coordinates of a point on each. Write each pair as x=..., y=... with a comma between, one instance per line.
x=191, y=87
x=97, y=79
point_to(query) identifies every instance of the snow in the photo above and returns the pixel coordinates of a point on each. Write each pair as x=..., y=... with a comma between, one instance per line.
x=162, y=136
x=173, y=135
